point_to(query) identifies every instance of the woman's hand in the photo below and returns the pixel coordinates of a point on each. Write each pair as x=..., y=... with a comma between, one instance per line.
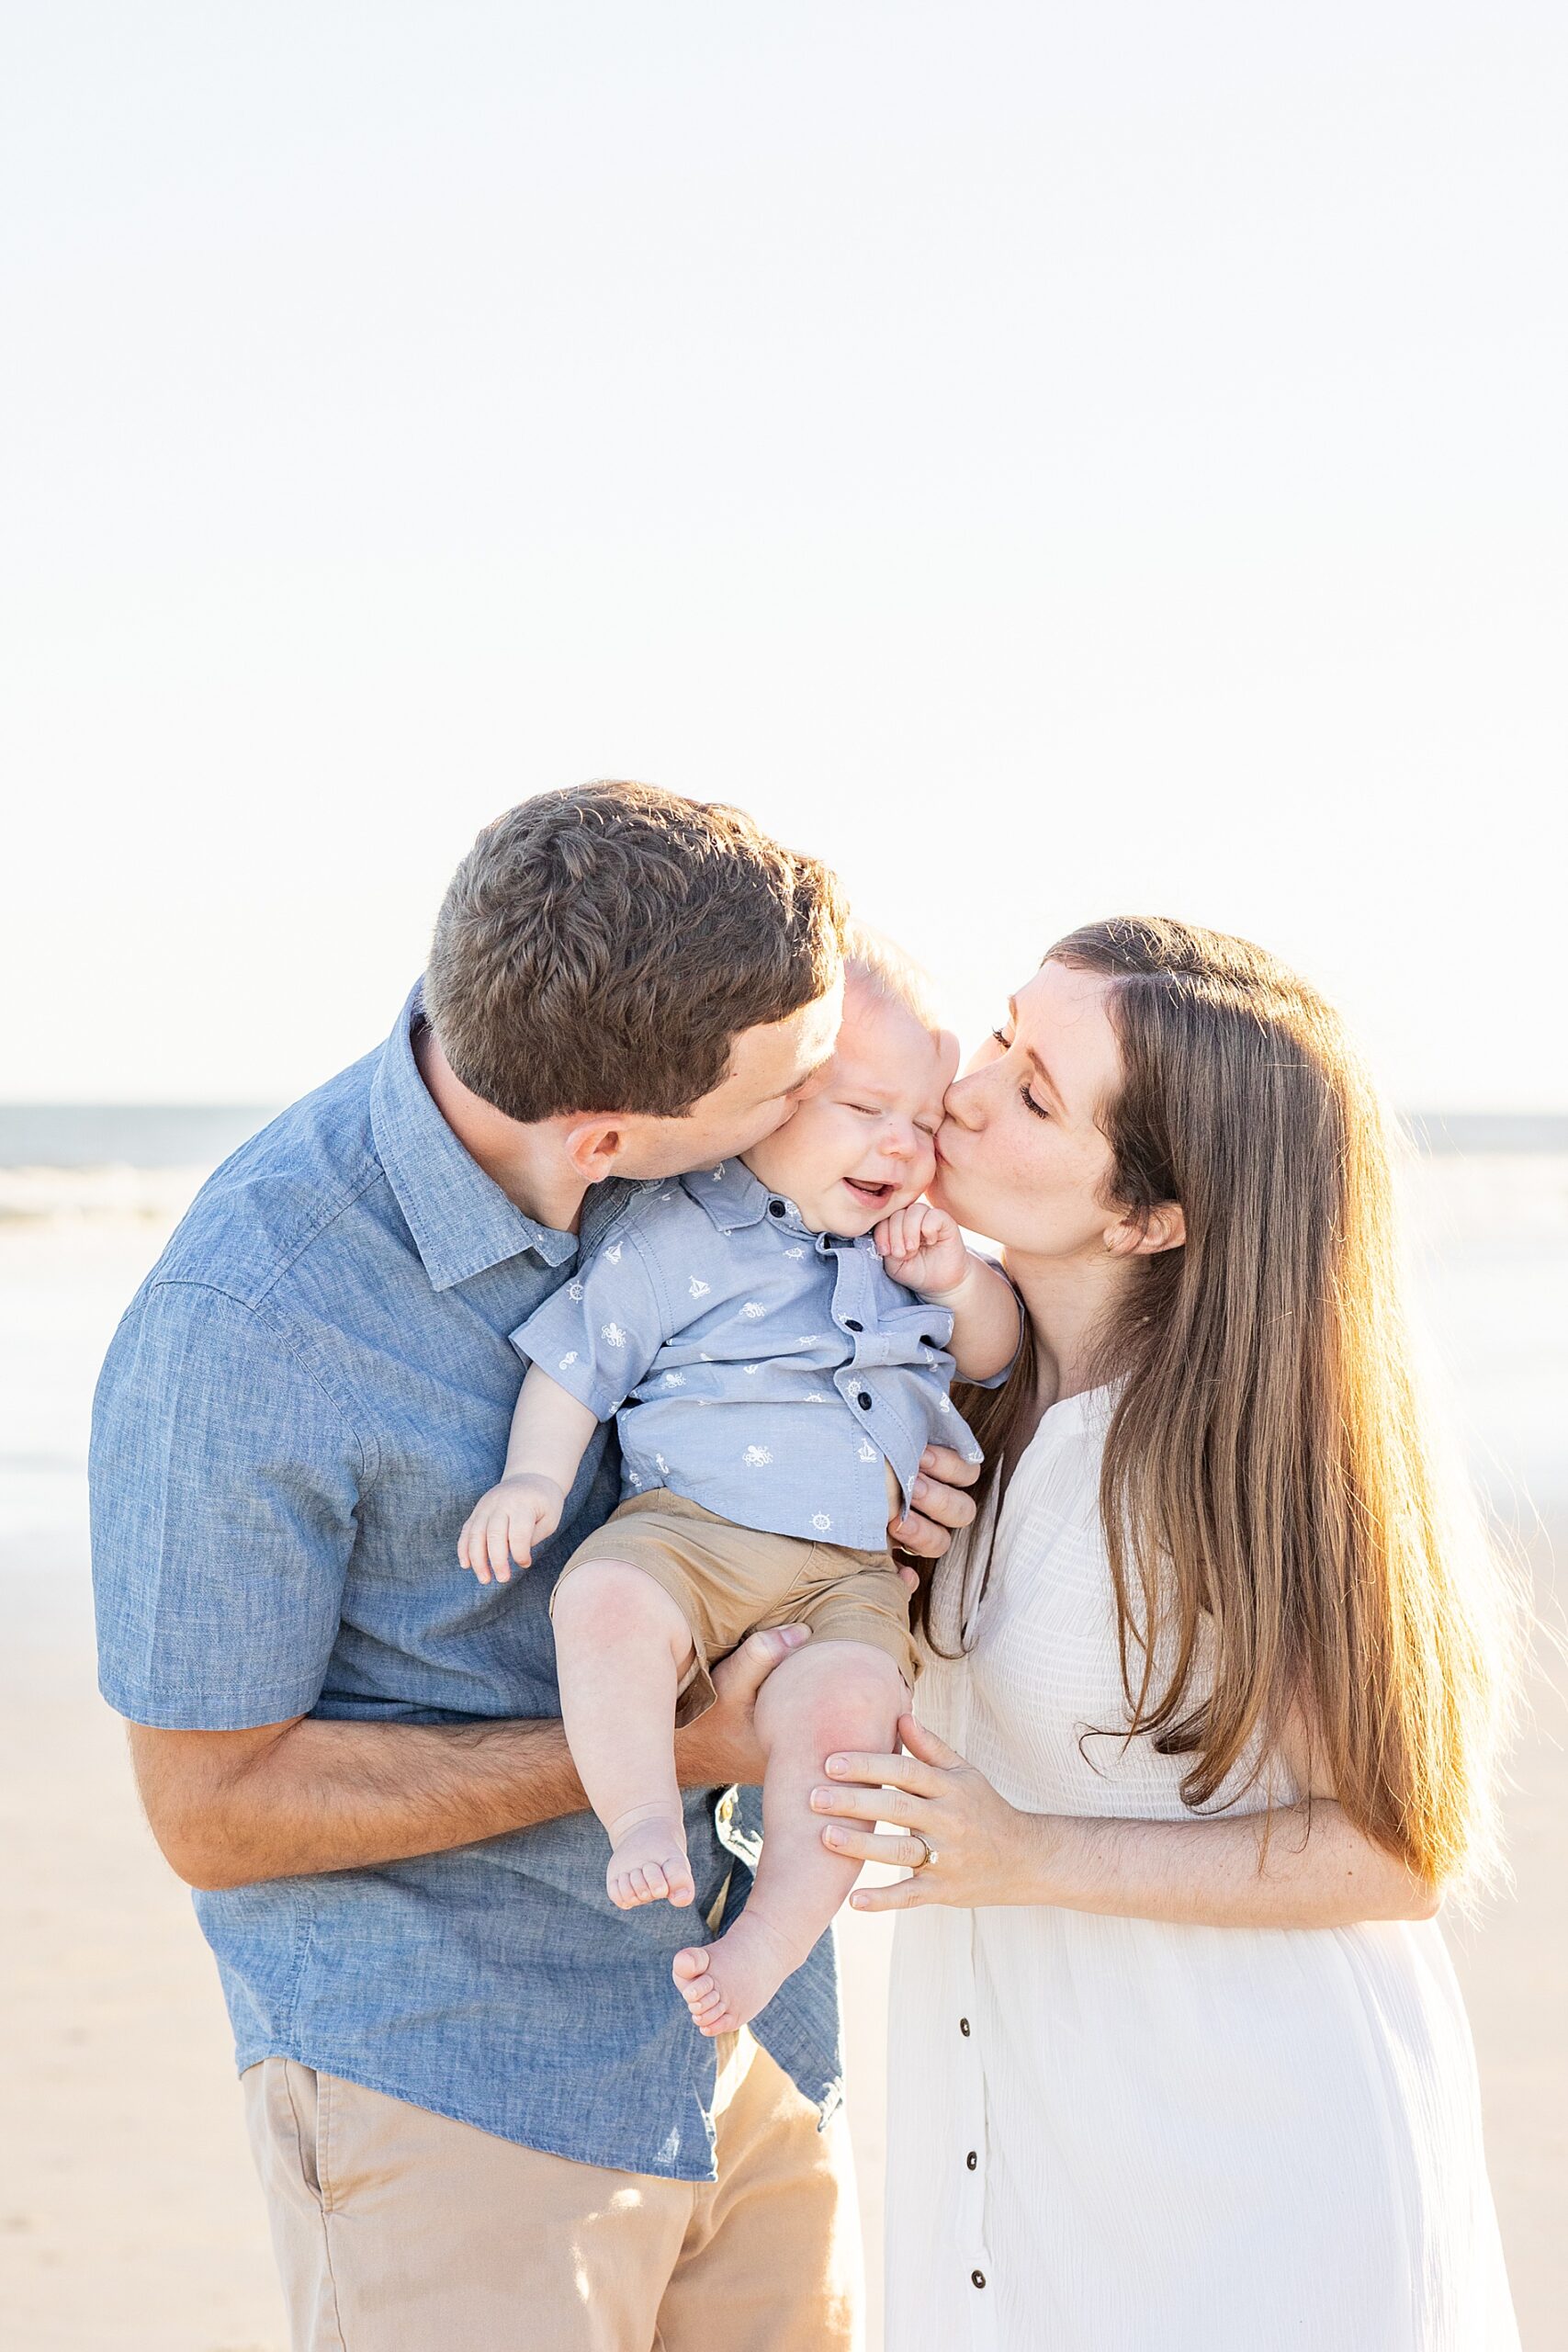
x=940, y=1508
x=1311, y=1869
x=983, y=1850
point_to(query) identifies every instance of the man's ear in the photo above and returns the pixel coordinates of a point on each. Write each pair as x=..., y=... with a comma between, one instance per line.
x=1164, y=1228
x=593, y=1146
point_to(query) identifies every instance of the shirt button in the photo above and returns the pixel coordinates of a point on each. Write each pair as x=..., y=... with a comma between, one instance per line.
x=775, y=1208
x=851, y=1325
x=864, y=1401
x=964, y=2026
x=971, y=2160
x=976, y=2278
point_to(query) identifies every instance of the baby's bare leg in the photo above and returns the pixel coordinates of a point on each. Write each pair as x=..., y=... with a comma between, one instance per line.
x=621, y=1648
x=838, y=1694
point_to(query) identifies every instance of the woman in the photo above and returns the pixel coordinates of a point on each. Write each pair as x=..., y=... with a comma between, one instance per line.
x=1178, y=2057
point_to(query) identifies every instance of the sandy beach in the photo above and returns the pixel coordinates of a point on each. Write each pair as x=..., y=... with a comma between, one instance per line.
x=128, y=2218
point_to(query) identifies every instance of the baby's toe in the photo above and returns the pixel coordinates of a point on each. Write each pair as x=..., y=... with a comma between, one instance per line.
x=715, y=2017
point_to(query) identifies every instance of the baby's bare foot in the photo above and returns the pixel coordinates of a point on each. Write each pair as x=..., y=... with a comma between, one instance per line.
x=725, y=1984
x=648, y=1862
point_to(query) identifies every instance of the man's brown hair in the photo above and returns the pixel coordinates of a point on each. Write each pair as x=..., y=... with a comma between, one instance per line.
x=601, y=949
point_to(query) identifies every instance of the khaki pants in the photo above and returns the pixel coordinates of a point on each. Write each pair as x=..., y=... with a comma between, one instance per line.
x=399, y=2231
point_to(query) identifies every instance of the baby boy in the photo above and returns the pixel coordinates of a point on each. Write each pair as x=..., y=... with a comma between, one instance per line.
x=775, y=1337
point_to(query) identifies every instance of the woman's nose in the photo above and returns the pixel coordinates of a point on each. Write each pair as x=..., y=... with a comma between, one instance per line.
x=962, y=1102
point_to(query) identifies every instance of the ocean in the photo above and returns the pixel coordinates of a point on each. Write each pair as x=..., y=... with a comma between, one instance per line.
x=89, y=1191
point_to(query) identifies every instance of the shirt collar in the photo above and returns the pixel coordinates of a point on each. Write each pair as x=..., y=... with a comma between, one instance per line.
x=462, y=1223
x=733, y=1197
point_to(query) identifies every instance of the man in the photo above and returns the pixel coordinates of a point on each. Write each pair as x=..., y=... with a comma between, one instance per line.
x=479, y=2111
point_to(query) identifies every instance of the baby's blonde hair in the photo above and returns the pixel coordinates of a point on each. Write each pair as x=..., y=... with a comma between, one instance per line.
x=878, y=963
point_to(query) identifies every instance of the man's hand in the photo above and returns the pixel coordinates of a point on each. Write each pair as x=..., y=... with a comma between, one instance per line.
x=722, y=1746
x=942, y=1507
x=505, y=1525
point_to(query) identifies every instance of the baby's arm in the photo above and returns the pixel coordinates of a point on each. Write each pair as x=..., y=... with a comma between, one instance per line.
x=598, y=1333
x=923, y=1249
x=550, y=1437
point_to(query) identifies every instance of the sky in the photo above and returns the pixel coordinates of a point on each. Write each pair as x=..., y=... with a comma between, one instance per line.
x=1050, y=461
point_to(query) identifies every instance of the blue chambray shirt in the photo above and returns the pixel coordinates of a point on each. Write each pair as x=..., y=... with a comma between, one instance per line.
x=771, y=1370
x=295, y=1415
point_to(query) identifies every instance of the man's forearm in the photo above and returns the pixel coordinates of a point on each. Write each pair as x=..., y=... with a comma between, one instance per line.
x=230, y=1808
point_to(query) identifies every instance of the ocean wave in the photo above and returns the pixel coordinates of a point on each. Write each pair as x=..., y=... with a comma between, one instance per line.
x=115, y=1193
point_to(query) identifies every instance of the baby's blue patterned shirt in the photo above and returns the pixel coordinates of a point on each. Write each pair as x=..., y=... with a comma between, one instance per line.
x=754, y=1365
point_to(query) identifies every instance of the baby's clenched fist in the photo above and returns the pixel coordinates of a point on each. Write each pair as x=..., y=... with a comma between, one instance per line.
x=923, y=1249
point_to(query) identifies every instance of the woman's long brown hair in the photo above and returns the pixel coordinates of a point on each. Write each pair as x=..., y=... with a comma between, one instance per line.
x=1280, y=1536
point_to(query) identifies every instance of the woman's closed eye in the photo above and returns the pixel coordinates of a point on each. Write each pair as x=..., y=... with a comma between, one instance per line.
x=1024, y=1096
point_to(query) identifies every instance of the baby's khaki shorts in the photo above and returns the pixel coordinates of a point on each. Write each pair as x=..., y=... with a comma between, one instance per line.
x=729, y=1581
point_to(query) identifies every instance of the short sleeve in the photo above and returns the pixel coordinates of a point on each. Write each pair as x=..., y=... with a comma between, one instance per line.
x=598, y=1334
x=223, y=1482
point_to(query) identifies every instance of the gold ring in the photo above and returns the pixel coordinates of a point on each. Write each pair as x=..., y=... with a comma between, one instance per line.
x=930, y=1855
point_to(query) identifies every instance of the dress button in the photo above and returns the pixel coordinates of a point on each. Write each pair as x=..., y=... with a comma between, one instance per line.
x=775, y=1208
x=976, y=2278
x=964, y=2026
x=971, y=2160
x=851, y=1325
x=864, y=1401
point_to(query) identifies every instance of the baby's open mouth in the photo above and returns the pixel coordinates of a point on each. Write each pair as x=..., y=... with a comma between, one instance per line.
x=874, y=1195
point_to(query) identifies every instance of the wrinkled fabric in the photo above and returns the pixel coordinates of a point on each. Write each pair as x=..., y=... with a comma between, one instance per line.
x=299, y=1408
x=759, y=1368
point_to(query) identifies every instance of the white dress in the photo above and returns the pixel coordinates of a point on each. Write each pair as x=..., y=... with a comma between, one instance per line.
x=1110, y=2135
